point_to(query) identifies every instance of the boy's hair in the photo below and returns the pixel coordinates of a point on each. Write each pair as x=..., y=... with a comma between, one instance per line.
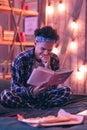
x=47, y=32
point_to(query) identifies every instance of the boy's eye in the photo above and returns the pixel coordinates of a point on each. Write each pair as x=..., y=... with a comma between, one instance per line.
x=49, y=50
x=43, y=49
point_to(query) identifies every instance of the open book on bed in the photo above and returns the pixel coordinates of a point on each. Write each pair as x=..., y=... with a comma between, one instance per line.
x=41, y=74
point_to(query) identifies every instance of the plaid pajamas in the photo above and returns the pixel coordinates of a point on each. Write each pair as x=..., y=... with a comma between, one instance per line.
x=21, y=93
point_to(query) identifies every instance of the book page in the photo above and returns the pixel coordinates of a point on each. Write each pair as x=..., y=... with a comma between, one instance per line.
x=61, y=77
x=43, y=69
x=40, y=75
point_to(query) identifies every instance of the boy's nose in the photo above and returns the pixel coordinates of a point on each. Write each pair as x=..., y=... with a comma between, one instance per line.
x=46, y=52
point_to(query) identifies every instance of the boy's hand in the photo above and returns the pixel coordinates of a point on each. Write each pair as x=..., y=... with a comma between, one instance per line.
x=46, y=61
x=41, y=88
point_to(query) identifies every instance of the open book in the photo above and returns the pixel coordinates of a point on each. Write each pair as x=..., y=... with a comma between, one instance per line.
x=41, y=74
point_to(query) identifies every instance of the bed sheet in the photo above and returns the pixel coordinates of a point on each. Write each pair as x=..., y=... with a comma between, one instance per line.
x=8, y=117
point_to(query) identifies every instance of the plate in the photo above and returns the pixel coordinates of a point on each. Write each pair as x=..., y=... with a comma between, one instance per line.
x=78, y=120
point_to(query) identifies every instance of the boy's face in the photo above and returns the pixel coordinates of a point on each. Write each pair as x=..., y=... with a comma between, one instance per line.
x=43, y=51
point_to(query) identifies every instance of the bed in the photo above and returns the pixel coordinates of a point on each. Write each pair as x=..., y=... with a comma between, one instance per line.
x=9, y=121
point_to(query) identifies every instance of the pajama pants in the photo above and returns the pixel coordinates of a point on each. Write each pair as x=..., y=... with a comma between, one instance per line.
x=52, y=97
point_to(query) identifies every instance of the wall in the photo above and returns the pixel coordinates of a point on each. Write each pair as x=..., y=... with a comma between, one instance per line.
x=33, y=7
x=72, y=59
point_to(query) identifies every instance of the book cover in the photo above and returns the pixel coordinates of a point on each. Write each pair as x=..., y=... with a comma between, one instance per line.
x=40, y=75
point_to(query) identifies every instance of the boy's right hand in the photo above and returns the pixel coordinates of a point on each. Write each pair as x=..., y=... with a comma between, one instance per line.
x=41, y=88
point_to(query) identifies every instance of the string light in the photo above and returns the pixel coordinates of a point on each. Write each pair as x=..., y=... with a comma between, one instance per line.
x=49, y=9
x=74, y=25
x=82, y=68
x=73, y=46
x=54, y=50
x=81, y=72
x=61, y=6
x=80, y=75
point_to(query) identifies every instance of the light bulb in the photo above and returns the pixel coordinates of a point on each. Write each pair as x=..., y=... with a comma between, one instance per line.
x=79, y=75
x=73, y=46
x=54, y=50
x=61, y=7
x=82, y=68
x=74, y=25
x=50, y=9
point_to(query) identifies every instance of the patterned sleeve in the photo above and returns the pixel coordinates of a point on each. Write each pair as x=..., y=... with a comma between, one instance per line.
x=19, y=84
x=55, y=64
